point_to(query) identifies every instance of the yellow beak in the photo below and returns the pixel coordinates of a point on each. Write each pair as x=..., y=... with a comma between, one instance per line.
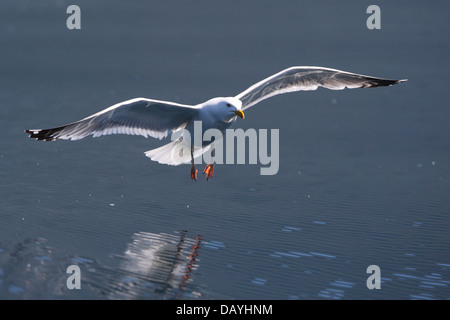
x=239, y=113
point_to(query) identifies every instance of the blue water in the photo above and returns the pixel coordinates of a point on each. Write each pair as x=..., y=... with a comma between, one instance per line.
x=364, y=175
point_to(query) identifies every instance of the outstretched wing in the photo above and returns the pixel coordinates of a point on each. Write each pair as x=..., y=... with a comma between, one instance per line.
x=307, y=78
x=138, y=116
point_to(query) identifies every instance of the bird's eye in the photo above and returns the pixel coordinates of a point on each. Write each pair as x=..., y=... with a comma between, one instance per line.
x=228, y=105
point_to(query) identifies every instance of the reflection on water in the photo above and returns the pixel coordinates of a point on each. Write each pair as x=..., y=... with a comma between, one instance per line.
x=165, y=266
x=154, y=266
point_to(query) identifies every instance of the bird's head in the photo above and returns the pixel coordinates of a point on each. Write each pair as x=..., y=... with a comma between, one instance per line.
x=226, y=108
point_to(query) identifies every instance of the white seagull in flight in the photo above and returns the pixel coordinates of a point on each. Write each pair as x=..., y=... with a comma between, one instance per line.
x=148, y=117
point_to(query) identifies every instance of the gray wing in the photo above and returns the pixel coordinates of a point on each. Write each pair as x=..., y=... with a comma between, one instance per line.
x=138, y=116
x=307, y=78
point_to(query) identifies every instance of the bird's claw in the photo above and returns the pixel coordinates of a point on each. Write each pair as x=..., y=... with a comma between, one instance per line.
x=194, y=172
x=209, y=170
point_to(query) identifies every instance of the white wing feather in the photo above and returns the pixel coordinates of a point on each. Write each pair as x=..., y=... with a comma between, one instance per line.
x=307, y=78
x=138, y=116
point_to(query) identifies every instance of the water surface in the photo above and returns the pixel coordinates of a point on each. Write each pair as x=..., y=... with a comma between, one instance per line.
x=363, y=179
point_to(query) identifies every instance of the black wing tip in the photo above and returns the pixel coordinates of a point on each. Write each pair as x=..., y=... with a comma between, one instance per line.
x=382, y=83
x=398, y=81
x=42, y=134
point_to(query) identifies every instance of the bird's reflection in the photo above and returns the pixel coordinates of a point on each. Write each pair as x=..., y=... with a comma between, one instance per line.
x=156, y=266
x=153, y=266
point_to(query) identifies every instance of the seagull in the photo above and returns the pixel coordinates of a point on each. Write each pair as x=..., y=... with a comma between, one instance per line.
x=158, y=119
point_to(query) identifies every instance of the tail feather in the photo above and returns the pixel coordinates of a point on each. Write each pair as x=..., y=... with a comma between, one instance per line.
x=175, y=153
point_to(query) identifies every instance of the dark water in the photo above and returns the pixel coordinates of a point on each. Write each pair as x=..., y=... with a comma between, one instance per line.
x=364, y=175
